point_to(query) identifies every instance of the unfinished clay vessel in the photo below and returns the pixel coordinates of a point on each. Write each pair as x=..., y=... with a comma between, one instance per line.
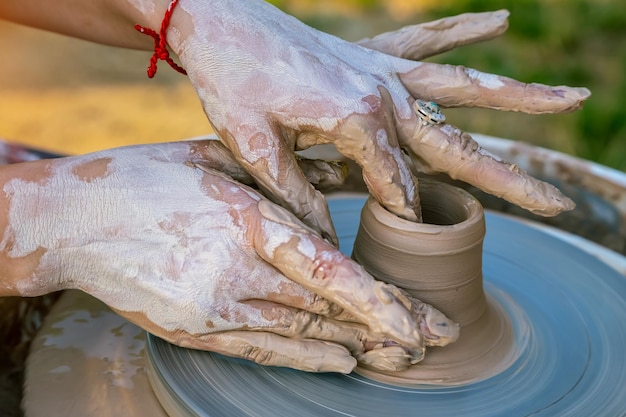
x=439, y=262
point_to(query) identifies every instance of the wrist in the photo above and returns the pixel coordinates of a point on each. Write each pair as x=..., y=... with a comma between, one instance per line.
x=200, y=29
x=23, y=232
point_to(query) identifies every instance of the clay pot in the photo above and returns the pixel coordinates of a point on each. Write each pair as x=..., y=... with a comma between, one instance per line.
x=439, y=262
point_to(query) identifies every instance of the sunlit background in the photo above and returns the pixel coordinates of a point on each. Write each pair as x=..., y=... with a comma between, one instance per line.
x=72, y=96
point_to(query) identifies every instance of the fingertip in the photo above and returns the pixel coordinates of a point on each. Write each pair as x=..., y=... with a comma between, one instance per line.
x=389, y=358
x=502, y=14
x=555, y=206
x=576, y=95
x=565, y=203
x=497, y=20
x=333, y=358
x=346, y=366
x=569, y=204
x=583, y=92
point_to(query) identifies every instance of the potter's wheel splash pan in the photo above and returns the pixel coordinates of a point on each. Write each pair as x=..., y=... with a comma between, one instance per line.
x=572, y=332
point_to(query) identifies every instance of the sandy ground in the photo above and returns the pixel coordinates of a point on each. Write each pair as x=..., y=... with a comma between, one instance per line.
x=72, y=96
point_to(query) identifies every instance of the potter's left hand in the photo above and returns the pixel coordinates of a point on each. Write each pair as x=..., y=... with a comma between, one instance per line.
x=201, y=260
x=271, y=84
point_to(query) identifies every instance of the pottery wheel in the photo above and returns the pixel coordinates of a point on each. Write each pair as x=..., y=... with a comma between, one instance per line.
x=569, y=316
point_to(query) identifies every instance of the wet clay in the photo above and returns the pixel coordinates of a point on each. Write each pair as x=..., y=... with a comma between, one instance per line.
x=440, y=263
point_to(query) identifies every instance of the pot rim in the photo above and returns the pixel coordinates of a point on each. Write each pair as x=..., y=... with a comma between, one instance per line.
x=473, y=212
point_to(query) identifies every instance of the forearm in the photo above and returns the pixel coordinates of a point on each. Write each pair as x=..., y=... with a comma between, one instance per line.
x=109, y=22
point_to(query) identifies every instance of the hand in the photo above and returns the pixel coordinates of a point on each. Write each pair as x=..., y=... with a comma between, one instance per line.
x=271, y=84
x=205, y=262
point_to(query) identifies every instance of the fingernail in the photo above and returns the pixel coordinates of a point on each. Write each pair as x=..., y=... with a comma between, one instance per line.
x=581, y=93
x=502, y=14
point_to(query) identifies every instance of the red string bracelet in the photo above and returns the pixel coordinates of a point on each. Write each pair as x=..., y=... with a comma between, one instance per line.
x=160, y=45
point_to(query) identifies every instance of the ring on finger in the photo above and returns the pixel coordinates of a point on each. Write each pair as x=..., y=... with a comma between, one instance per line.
x=428, y=112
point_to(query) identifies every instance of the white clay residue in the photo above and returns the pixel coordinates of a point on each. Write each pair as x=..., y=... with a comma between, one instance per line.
x=62, y=369
x=488, y=154
x=450, y=130
x=274, y=227
x=490, y=81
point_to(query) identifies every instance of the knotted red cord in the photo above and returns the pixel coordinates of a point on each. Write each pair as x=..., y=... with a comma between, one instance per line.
x=160, y=44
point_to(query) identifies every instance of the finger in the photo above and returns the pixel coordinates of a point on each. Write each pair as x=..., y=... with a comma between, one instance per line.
x=310, y=261
x=444, y=148
x=275, y=170
x=417, y=42
x=271, y=349
x=371, y=141
x=277, y=289
x=212, y=154
x=268, y=318
x=264, y=282
x=456, y=86
x=356, y=337
x=436, y=328
x=323, y=175
x=281, y=290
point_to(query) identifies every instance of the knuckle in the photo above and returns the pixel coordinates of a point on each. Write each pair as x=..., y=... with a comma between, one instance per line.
x=323, y=270
x=305, y=323
x=257, y=354
x=324, y=307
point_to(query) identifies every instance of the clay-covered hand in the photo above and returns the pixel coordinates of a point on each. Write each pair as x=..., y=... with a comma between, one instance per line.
x=205, y=262
x=271, y=84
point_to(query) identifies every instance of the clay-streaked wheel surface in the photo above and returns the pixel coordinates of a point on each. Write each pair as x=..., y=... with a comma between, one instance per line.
x=570, y=324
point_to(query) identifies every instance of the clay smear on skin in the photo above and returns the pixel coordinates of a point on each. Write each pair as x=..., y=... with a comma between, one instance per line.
x=486, y=80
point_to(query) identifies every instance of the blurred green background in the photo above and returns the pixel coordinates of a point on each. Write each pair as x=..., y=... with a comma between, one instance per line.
x=558, y=42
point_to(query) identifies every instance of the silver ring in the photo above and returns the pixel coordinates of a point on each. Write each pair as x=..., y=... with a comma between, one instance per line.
x=428, y=112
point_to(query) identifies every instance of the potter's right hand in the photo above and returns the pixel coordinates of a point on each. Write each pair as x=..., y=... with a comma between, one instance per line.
x=202, y=261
